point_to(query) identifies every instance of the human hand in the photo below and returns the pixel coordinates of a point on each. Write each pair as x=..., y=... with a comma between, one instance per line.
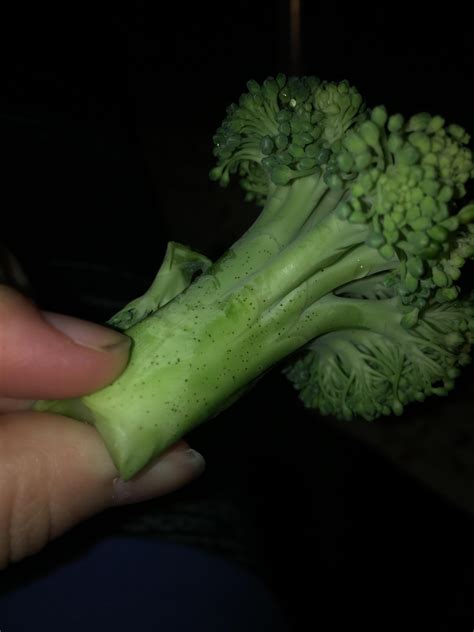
x=55, y=471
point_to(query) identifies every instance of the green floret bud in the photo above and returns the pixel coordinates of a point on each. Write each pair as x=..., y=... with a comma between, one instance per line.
x=285, y=158
x=379, y=116
x=296, y=151
x=415, y=266
x=267, y=146
x=430, y=187
x=333, y=181
x=438, y=233
x=395, y=143
x=451, y=223
x=418, y=122
x=439, y=277
x=344, y=211
x=428, y=206
x=303, y=139
x=345, y=161
x=418, y=240
x=322, y=156
x=281, y=141
x=282, y=175
x=270, y=89
x=253, y=87
x=387, y=251
x=446, y=194
x=363, y=161
x=312, y=150
x=447, y=294
x=458, y=133
x=395, y=123
x=466, y=214
x=410, y=318
x=435, y=125
x=370, y=133
x=421, y=224
x=307, y=164
x=407, y=155
x=355, y=143
x=420, y=141
x=375, y=240
x=411, y=283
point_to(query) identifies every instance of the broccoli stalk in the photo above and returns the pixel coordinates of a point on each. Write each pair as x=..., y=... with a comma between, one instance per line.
x=348, y=275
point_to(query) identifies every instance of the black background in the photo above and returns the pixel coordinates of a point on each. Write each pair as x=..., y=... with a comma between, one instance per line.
x=106, y=119
x=106, y=111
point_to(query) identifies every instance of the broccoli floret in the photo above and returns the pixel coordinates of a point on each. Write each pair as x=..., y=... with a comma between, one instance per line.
x=377, y=370
x=349, y=276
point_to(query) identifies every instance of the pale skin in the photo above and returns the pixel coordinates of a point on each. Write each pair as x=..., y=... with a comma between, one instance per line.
x=55, y=471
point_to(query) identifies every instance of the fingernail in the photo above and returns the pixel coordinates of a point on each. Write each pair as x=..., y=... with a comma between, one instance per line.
x=88, y=334
x=168, y=473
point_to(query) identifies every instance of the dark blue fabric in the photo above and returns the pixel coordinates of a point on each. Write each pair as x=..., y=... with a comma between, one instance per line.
x=127, y=584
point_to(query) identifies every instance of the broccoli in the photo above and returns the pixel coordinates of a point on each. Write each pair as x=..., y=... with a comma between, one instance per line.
x=348, y=277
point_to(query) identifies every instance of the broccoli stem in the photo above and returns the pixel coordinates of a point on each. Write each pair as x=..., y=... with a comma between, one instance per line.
x=303, y=196
x=311, y=252
x=193, y=355
x=274, y=229
x=179, y=376
x=288, y=244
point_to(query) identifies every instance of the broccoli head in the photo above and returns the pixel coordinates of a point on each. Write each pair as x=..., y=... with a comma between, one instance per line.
x=349, y=278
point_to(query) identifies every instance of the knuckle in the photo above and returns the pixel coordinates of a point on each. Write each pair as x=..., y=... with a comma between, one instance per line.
x=25, y=507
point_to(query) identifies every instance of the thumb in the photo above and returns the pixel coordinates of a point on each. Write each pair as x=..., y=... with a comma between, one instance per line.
x=52, y=356
x=56, y=472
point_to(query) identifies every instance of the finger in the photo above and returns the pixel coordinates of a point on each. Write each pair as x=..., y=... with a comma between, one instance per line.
x=56, y=472
x=10, y=405
x=52, y=356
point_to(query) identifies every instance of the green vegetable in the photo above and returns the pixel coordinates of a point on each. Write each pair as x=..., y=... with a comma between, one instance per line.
x=348, y=276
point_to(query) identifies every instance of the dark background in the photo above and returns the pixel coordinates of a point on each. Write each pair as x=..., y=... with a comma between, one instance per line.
x=106, y=120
